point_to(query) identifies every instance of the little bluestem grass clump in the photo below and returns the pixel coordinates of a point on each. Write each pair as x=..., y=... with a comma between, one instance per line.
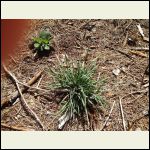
x=83, y=92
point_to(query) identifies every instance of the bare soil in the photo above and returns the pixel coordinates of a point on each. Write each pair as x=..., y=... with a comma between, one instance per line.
x=104, y=39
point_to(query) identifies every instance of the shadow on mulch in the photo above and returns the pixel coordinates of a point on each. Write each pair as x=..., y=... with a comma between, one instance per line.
x=41, y=54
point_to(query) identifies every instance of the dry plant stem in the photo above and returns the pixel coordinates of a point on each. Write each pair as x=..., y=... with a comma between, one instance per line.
x=122, y=114
x=58, y=59
x=144, y=74
x=39, y=82
x=15, y=128
x=136, y=92
x=125, y=40
x=24, y=103
x=30, y=111
x=108, y=116
x=6, y=103
x=35, y=88
x=140, y=48
x=128, y=25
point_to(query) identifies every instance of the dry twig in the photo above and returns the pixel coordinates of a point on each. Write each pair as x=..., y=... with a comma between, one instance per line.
x=122, y=114
x=140, y=48
x=125, y=40
x=108, y=116
x=39, y=82
x=24, y=103
x=6, y=103
x=128, y=25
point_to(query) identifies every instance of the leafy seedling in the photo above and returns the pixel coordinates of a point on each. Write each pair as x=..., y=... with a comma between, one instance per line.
x=42, y=42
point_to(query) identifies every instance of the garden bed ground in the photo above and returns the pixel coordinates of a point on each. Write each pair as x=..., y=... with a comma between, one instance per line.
x=106, y=41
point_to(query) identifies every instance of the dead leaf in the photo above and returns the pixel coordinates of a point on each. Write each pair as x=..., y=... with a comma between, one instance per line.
x=116, y=71
x=62, y=120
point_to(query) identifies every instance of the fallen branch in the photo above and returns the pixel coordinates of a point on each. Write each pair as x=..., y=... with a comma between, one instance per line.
x=122, y=114
x=15, y=128
x=30, y=111
x=23, y=101
x=6, y=103
x=108, y=116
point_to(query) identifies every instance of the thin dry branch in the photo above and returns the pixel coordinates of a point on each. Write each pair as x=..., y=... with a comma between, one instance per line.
x=39, y=82
x=125, y=40
x=122, y=114
x=140, y=48
x=23, y=101
x=6, y=103
x=108, y=116
x=135, y=92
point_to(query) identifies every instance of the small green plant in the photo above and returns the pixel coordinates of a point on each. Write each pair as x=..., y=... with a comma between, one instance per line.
x=83, y=92
x=43, y=42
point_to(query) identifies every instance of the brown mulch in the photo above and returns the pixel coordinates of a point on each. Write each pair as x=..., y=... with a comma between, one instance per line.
x=104, y=39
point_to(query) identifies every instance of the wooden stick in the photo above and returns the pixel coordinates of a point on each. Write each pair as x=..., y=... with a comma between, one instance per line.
x=6, y=103
x=30, y=111
x=108, y=116
x=15, y=128
x=122, y=114
x=24, y=103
